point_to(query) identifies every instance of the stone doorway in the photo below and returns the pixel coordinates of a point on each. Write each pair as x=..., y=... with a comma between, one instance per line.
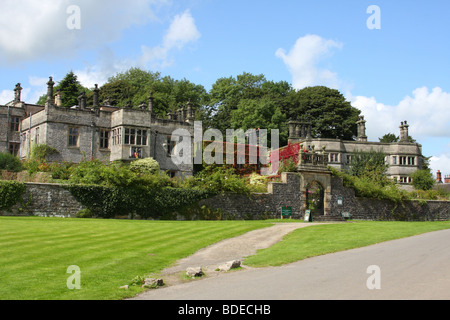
x=315, y=198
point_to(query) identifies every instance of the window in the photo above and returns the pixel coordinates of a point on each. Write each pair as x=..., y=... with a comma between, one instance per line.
x=73, y=136
x=14, y=124
x=141, y=137
x=104, y=139
x=394, y=160
x=172, y=174
x=334, y=157
x=117, y=137
x=14, y=149
x=349, y=159
x=135, y=137
x=36, y=139
x=170, y=146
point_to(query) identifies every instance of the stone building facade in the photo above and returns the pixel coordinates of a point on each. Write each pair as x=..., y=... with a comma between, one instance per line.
x=100, y=131
x=403, y=157
x=109, y=133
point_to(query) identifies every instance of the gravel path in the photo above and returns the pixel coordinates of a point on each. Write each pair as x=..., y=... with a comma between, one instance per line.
x=210, y=258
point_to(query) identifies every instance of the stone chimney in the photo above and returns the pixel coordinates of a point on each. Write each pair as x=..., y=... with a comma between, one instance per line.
x=82, y=100
x=447, y=179
x=361, y=129
x=151, y=100
x=96, y=104
x=291, y=129
x=17, y=93
x=50, y=85
x=58, y=98
x=404, y=132
x=182, y=114
x=438, y=177
x=190, y=112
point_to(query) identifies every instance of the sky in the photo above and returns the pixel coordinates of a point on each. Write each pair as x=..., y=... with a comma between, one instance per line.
x=390, y=59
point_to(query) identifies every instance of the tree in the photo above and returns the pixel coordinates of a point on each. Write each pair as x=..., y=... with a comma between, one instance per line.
x=70, y=89
x=135, y=85
x=229, y=94
x=389, y=138
x=330, y=114
x=422, y=179
x=369, y=165
x=263, y=114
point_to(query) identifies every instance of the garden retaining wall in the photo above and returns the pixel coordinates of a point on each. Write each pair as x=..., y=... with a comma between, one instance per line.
x=41, y=199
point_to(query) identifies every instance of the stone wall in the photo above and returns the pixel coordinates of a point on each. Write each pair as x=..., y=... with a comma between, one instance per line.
x=262, y=205
x=47, y=200
x=55, y=200
x=374, y=209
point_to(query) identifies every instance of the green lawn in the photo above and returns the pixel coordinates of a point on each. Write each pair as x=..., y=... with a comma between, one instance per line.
x=36, y=252
x=328, y=238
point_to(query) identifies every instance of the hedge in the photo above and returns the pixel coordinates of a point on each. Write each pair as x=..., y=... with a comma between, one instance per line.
x=109, y=202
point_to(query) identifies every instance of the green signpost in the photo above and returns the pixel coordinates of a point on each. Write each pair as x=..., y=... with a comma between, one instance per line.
x=286, y=212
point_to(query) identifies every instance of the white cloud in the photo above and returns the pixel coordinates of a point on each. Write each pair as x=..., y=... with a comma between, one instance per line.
x=181, y=32
x=441, y=163
x=32, y=29
x=426, y=112
x=6, y=96
x=303, y=62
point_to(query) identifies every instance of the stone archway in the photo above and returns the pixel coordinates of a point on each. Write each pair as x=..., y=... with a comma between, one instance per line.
x=316, y=185
x=315, y=198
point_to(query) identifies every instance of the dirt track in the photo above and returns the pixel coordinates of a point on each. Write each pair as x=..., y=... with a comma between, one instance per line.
x=210, y=258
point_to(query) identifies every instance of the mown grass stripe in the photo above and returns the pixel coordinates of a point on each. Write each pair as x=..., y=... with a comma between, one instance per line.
x=36, y=252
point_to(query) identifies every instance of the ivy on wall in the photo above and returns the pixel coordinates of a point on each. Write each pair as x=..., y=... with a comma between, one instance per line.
x=11, y=192
x=109, y=202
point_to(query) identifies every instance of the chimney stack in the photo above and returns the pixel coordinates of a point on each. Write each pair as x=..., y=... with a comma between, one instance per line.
x=82, y=100
x=404, y=132
x=50, y=85
x=17, y=93
x=438, y=177
x=96, y=104
x=58, y=98
x=150, y=103
x=361, y=128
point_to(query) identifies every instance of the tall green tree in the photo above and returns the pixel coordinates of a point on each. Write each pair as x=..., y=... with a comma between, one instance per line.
x=70, y=88
x=330, y=114
x=260, y=114
x=227, y=95
x=135, y=85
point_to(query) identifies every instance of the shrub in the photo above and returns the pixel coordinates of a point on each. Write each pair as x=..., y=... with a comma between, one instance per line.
x=85, y=213
x=422, y=180
x=10, y=193
x=367, y=188
x=218, y=179
x=287, y=165
x=10, y=162
x=60, y=171
x=41, y=152
x=145, y=166
x=147, y=202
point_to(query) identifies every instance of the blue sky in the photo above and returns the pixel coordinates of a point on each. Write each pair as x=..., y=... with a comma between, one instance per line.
x=395, y=73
